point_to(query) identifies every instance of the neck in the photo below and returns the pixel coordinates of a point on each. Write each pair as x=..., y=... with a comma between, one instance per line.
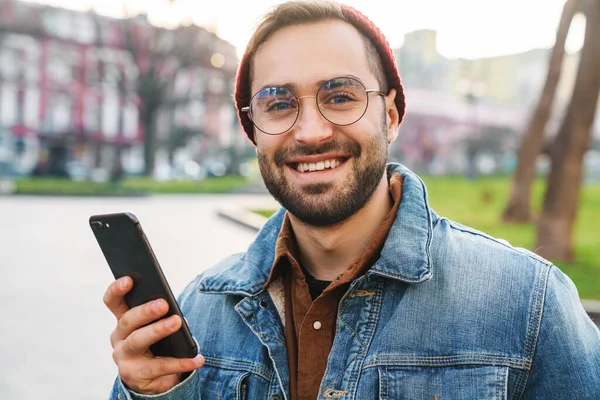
x=326, y=252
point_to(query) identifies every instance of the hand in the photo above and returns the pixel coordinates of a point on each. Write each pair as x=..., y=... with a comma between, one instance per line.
x=138, y=368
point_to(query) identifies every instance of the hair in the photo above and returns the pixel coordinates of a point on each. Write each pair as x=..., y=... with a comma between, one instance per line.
x=306, y=12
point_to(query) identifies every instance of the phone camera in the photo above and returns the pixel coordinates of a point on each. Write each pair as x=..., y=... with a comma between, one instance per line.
x=97, y=225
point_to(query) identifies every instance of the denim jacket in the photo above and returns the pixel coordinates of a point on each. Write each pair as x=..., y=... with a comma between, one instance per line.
x=447, y=312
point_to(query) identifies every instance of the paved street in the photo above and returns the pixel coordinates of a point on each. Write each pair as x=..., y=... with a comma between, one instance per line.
x=54, y=334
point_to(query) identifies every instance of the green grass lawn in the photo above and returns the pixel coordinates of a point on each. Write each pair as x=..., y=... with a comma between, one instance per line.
x=479, y=204
x=140, y=185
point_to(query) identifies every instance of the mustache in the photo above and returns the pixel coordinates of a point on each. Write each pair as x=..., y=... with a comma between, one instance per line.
x=350, y=148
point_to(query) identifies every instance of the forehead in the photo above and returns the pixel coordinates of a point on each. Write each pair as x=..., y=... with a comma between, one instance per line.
x=307, y=53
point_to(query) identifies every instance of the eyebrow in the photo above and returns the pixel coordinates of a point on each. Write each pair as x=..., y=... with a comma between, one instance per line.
x=315, y=86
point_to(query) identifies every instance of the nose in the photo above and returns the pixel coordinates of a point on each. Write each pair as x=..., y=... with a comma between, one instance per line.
x=311, y=128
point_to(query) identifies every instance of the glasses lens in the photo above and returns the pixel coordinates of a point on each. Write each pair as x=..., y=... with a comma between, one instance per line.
x=274, y=110
x=342, y=101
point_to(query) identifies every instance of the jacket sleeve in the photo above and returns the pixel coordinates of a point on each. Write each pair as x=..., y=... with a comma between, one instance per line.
x=186, y=390
x=566, y=359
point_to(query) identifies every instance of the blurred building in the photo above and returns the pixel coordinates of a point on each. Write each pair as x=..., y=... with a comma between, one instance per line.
x=69, y=90
x=470, y=114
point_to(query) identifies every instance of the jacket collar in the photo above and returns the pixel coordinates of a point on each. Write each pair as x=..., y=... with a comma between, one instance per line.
x=405, y=255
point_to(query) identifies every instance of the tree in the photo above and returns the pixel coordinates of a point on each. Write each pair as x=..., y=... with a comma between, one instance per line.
x=159, y=54
x=518, y=208
x=155, y=64
x=555, y=227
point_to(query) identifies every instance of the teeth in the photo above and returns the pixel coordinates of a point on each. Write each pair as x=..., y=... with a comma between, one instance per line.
x=319, y=166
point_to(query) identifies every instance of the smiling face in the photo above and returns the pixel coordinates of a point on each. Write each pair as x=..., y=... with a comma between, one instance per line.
x=322, y=173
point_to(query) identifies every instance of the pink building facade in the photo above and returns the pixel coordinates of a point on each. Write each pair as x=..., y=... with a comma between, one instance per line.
x=68, y=89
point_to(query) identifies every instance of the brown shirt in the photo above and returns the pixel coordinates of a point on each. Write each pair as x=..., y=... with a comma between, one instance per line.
x=310, y=325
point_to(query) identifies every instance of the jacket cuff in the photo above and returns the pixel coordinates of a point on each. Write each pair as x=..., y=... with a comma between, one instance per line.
x=184, y=390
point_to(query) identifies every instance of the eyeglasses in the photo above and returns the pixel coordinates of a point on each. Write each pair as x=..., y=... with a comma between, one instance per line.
x=341, y=101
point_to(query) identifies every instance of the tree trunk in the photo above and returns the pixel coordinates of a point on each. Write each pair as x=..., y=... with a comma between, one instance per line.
x=116, y=171
x=555, y=228
x=149, y=143
x=518, y=208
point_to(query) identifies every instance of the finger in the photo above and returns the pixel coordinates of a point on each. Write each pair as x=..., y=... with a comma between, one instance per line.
x=154, y=368
x=140, y=340
x=138, y=317
x=114, y=297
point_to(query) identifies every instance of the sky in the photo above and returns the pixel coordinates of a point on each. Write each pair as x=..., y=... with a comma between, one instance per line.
x=466, y=28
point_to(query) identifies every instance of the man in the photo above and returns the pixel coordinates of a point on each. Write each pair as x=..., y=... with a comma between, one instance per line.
x=355, y=289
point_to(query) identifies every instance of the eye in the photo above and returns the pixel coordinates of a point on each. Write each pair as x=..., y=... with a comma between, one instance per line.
x=338, y=98
x=280, y=105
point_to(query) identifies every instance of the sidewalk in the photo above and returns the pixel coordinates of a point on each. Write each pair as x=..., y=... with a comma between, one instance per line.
x=255, y=188
x=254, y=222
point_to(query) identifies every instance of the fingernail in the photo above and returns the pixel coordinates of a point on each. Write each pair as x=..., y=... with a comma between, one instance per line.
x=123, y=283
x=199, y=359
x=157, y=305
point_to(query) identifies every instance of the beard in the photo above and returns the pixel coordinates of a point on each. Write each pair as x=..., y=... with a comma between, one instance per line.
x=324, y=204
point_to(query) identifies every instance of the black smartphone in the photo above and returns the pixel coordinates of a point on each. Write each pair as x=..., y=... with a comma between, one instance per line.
x=128, y=253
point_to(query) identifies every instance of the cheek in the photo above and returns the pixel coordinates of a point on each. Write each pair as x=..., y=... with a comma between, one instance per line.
x=362, y=130
x=265, y=146
x=269, y=149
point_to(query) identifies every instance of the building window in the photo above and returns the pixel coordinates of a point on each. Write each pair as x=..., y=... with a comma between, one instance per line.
x=110, y=112
x=62, y=112
x=9, y=64
x=8, y=104
x=92, y=69
x=91, y=113
x=32, y=70
x=63, y=25
x=84, y=28
x=59, y=70
x=130, y=120
x=111, y=74
x=31, y=107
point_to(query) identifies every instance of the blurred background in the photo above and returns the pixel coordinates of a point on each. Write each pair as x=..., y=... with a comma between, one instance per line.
x=114, y=105
x=111, y=89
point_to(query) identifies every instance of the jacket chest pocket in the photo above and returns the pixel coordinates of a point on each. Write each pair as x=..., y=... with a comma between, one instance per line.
x=443, y=383
x=223, y=384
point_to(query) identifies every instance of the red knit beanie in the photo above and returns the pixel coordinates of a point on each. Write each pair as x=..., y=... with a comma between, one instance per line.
x=367, y=28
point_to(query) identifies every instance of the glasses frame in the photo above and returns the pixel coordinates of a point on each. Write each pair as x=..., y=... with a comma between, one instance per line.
x=316, y=96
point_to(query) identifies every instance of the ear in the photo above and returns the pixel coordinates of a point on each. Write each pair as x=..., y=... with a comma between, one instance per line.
x=392, y=116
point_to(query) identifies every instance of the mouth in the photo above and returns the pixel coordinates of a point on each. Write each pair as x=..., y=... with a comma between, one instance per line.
x=321, y=165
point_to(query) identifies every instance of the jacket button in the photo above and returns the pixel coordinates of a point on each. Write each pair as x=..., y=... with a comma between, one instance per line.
x=275, y=397
x=317, y=325
x=119, y=397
